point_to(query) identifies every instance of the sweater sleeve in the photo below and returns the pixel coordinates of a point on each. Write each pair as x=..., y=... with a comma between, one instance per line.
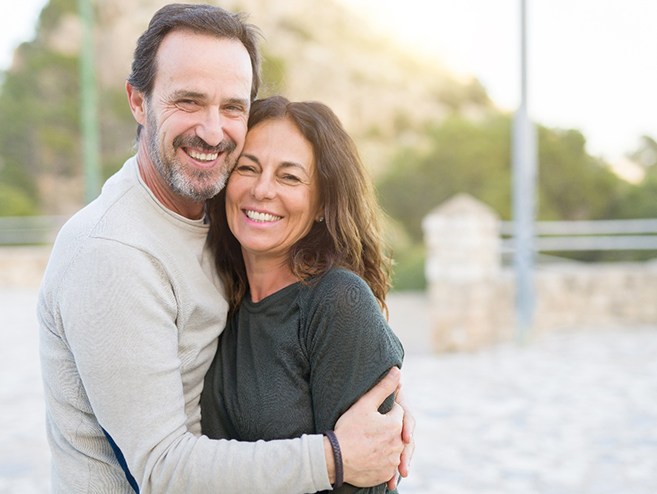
x=350, y=346
x=120, y=310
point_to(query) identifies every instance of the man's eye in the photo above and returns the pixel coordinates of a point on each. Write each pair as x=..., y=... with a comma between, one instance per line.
x=187, y=104
x=235, y=109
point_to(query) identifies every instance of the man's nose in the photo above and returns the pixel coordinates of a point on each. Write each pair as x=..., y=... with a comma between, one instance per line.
x=210, y=129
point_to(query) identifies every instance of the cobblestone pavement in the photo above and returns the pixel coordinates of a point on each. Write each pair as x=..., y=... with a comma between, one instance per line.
x=569, y=413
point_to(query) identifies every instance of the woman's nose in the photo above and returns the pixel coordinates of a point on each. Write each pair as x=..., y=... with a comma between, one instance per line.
x=263, y=188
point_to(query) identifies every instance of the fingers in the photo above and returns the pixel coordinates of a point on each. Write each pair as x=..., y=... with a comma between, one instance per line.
x=384, y=388
x=409, y=420
x=396, y=415
x=406, y=457
x=408, y=430
x=371, y=444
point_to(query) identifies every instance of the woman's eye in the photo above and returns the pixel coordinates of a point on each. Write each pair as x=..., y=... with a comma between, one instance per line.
x=245, y=169
x=290, y=178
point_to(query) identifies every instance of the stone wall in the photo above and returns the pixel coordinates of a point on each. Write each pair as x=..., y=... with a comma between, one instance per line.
x=472, y=295
x=23, y=267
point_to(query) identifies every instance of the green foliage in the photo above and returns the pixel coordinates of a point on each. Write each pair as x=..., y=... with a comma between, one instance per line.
x=273, y=75
x=641, y=202
x=462, y=156
x=38, y=114
x=15, y=202
x=646, y=154
x=572, y=184
x=118, y=130
x=474, y=157
x=53, y=12
x=16, y=175
x=641, y=199
x=38, y=124
x=457, y=96
x=408, y=269
x=39, y=136
x=300, y=29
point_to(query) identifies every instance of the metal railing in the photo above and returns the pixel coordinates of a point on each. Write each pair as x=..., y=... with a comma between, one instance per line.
x=552, y=236
x=29, y=230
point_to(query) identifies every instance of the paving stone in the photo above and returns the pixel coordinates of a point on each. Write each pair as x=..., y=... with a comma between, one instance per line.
x=569, y=413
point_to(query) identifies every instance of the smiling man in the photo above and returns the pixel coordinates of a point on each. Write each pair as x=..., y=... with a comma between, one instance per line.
x=130, y=306
x=194, y=120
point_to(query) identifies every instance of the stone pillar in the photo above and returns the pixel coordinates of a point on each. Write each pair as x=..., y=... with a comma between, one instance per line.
x=463, y=271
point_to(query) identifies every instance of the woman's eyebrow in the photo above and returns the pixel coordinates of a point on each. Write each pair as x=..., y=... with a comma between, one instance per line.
x=250, y=157
x=293, y=164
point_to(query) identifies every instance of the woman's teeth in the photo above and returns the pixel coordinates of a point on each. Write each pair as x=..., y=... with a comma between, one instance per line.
x=262, y=217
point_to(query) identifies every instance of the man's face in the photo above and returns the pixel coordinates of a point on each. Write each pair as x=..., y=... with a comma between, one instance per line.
x=196, y=116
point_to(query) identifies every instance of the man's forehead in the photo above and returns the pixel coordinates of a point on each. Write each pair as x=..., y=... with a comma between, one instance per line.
x=198, y=62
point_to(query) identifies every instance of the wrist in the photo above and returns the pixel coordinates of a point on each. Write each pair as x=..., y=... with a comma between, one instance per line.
x=336, y=474
x=330, y=462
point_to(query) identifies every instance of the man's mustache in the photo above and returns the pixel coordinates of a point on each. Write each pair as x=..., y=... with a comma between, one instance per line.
x=225, y=146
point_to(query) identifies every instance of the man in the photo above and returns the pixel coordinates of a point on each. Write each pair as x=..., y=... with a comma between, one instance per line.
x=130, y=306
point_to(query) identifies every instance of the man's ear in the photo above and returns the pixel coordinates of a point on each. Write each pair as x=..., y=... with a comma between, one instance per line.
x=137, y=103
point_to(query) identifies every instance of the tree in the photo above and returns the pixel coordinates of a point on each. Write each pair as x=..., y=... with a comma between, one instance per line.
x=572, y=184
x=460, y=156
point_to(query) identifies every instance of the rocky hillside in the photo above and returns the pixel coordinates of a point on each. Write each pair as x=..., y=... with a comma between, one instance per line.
x=319, y=50
x=312, y=49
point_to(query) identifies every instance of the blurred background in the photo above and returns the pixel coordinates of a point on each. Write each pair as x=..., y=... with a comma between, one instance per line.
x=430, y=92
x=427, y=91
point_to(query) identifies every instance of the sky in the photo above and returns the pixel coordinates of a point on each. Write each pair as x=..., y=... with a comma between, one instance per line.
x=17, y=24
x=592, y=64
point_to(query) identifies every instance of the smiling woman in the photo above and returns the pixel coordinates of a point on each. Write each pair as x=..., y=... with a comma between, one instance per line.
x=272, y=199
x=297, y=242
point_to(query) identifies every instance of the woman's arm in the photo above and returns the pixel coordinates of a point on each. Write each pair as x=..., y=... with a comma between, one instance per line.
x=351, y=348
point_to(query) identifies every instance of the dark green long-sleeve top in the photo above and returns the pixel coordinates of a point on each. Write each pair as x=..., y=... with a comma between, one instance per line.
x=292, y=363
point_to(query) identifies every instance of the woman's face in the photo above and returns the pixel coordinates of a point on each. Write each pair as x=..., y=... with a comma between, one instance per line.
x=272, y=194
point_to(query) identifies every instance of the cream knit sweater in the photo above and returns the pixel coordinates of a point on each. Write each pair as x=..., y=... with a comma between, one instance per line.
x=130, y=309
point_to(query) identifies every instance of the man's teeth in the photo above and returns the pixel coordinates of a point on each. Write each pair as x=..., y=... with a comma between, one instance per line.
x=263, y=217
x=203, y=156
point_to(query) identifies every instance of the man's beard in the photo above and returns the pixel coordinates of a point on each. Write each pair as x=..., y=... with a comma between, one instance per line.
x=192, y=183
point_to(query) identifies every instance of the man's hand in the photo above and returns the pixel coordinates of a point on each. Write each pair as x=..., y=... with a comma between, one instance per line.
x=371, y=443
x=407, y=436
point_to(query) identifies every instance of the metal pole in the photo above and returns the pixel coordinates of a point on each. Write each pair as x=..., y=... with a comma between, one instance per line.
x=524, y=185
x=88, y=104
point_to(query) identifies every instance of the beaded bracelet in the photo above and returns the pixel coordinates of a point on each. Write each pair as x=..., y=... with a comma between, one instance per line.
x=337, y=458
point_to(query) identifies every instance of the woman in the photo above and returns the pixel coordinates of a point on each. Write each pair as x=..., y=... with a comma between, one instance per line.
x=297, y=242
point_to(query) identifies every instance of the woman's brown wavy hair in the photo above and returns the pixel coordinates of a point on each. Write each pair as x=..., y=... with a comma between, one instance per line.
x=349, y=237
